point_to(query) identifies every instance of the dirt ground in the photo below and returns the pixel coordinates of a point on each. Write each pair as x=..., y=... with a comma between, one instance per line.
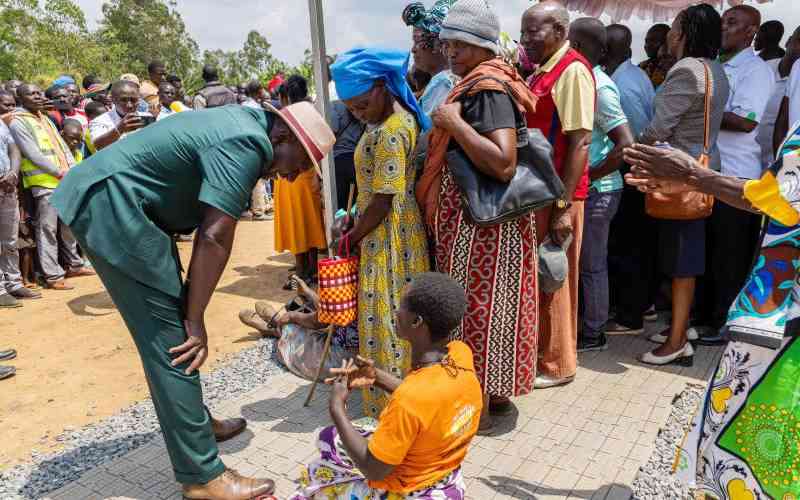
x=77, y=363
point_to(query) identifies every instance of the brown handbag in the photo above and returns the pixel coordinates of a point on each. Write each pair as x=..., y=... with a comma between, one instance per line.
x=690, y=205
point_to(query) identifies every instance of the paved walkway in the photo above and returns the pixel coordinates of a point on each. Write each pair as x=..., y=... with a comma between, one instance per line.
x=585, y=440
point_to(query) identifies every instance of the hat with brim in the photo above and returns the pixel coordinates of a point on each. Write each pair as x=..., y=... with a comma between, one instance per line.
x=97, y=88
x=553, y=265
x=309, y=127
x=130, y=77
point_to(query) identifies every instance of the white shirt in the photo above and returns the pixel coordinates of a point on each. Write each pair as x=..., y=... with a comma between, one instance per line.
x=751, y=81
x=793, y=93
x=766, y=126
x=104, y=124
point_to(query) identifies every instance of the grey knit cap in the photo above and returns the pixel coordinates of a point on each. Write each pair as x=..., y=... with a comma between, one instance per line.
x=473, y=22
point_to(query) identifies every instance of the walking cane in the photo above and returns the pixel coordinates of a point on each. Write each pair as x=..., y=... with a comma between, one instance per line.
x=329, y=330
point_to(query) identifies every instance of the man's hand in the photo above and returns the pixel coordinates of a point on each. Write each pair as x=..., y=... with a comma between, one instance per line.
x=195, y=348
x=131, y=122
x=560, y=226
x=661, y=163
x=340, y=392
x=646, y=183
x=447, y=116
x=9, y=183
x=360, y=373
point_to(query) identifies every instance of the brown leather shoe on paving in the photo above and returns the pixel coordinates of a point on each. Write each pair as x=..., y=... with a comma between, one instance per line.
x=229, y=486
x=58, y=285
x=80, y=273
x=227, y=429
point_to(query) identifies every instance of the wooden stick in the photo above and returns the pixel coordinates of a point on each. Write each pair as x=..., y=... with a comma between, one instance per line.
x=325, y=351
x=329, y=333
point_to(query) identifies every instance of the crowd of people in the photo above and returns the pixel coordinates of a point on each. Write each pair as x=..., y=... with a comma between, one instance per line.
x=455, y=317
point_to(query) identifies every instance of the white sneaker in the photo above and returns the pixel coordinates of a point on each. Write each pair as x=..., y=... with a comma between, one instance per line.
x=660, y=338
x=546, y=382
x=683, y=357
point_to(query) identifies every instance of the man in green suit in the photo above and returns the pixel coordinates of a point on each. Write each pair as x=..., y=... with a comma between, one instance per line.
x=195, y=171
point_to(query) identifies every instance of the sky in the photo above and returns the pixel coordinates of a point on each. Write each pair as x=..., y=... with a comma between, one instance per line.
x=224, y=24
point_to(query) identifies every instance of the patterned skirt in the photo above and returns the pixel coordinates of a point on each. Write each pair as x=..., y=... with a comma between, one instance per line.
x=334, y=476
x=497, y=267
x=744, y=442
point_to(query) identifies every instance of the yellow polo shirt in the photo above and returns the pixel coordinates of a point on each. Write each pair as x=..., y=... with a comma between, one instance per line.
x=573, y=93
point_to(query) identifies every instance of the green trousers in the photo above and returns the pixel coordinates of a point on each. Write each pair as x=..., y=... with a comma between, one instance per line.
x=155, y=320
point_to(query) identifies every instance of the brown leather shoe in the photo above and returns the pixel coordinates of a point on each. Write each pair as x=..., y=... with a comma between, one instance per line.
x=59, y=285
x=229, y=486
x=80, y=273
x=227, y=429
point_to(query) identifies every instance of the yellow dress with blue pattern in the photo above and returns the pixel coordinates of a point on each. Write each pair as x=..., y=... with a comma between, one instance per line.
x=394, y=252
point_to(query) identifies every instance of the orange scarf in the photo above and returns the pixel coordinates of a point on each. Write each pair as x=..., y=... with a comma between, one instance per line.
x=430, y=182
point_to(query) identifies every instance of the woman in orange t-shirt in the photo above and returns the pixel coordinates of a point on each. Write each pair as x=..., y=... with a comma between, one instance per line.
x=416, y=449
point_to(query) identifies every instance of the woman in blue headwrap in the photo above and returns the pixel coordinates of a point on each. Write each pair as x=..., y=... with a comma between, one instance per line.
x=427, y=50
x=389, y=230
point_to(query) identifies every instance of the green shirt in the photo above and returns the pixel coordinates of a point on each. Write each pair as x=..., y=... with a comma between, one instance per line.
x=124, y=202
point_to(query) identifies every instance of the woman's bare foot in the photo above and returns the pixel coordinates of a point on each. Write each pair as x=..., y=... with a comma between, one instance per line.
x=305, y=291
x=254, y=320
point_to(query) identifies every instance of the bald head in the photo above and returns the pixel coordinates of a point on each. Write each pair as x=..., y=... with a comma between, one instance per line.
x=739, y=27
x=656, y=37
x=545, y=27
x=553, y=11
x=587, y=35
x=769, y=35
x=618, y=46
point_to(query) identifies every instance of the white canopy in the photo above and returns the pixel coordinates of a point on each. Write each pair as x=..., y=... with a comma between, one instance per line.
x=657, y=10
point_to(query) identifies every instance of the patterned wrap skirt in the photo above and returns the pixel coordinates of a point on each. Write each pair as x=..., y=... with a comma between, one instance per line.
x=334, y=476
x=497, y=266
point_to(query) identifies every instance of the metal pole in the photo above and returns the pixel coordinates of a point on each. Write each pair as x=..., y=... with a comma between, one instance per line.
x=323, y=105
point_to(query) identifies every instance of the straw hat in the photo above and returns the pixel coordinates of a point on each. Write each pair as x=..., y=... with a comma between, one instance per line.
x=130, y=77
x=308, y=125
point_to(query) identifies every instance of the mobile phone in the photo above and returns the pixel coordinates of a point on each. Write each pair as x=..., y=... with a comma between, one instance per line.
x=147, y=119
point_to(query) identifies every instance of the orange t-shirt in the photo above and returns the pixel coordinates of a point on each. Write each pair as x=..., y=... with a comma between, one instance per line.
x=427, y=427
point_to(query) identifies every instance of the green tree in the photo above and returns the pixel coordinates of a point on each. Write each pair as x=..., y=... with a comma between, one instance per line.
x=149, y=29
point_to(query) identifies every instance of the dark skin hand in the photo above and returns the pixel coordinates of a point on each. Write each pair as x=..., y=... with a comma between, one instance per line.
x=622, y=137
x=577, y=156
x=494, y=154
x=376, y=212
x=356, y=445
x=673, y=171
x=131, y=122
x=10, y=182
x=781, y=126
x=735, y=123
x=212, y=248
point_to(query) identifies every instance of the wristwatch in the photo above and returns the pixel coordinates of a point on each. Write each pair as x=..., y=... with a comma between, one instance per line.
x=562, y=204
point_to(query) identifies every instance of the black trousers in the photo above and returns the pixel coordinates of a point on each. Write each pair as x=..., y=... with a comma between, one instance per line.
x=345, y=167
x=731, y=239
x=633, y=251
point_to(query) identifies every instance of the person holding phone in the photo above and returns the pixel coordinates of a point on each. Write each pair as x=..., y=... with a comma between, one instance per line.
x=121, y=120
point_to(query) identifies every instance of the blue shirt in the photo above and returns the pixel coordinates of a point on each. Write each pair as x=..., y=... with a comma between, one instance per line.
x=607, y=117
x=5, y=141
x=636, y=94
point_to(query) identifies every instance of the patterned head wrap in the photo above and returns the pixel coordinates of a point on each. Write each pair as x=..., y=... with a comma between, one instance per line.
x=427, y=20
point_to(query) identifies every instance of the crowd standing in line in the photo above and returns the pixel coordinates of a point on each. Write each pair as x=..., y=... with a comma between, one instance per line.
x=714, y=109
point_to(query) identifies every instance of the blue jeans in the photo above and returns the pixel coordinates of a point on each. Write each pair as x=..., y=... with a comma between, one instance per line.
x=600, y=209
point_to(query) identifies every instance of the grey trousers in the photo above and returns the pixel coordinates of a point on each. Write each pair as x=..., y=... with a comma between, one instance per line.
x=10, y=276
x=54, y=239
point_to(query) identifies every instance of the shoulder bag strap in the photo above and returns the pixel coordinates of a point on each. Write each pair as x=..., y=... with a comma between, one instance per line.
x=707, y=112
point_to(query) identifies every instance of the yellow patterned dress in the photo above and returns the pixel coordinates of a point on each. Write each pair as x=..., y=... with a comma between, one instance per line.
x=394, y=251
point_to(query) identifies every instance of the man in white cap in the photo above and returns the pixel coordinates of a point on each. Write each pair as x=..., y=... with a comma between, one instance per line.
x=180, y=175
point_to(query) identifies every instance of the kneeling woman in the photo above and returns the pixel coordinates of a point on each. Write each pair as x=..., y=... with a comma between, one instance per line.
x=416, y=448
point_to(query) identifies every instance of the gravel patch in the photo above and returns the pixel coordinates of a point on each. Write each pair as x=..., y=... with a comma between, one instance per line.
x=655, y=479
x=96, y=444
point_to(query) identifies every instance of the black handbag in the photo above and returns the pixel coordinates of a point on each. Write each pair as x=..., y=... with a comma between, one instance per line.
x=489, y=201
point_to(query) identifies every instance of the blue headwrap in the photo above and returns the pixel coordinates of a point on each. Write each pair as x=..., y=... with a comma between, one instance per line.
x=63, y=80
x=429, y=20
x=356, y=71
